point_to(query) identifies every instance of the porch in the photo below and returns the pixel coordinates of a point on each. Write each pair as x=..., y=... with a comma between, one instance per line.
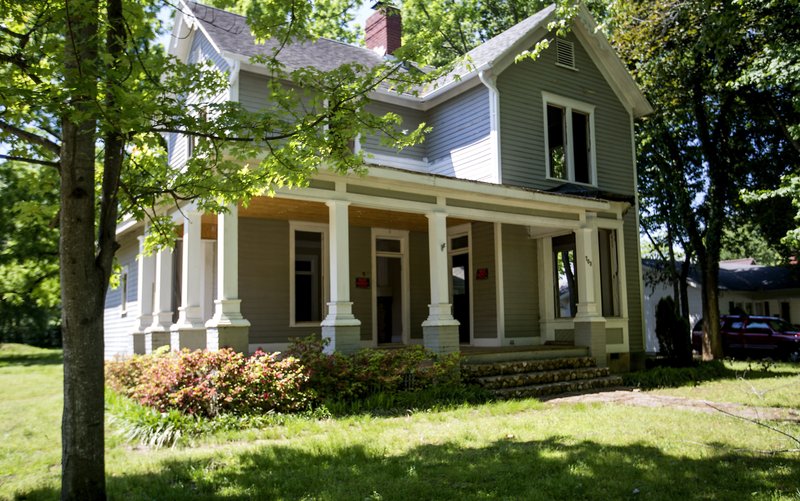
x=452, y=265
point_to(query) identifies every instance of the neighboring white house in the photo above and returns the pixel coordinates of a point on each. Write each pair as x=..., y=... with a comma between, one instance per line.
x=466, y=239
x=743, y=285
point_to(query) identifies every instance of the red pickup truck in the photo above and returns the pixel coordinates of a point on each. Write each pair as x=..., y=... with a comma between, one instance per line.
x=754, y=337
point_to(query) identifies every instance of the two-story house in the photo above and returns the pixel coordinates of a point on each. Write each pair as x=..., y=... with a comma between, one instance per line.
x=514, y=223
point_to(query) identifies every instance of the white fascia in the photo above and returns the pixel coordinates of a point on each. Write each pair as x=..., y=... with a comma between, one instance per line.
x=490, y=81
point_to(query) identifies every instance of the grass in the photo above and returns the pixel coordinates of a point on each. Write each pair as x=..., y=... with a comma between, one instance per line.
x=748, y=384
x=508, y=450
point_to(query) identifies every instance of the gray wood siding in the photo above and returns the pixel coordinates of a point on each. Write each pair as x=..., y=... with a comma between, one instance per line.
x=484, y=292
x=458, y=145
x=522, y=121
x=361, y=265
x=419, y=265
x=636, y=334
x=520, y=283
x=264, y=270
x=118, y=327
x=411, y=119
x=200, y=51
x=252, y=91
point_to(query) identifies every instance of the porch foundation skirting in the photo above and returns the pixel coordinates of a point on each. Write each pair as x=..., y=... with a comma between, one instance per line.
x=235, y=337
x=154, y=340
x=441, y=337
x=138, y=341
x=591, y=332
x=188, y=338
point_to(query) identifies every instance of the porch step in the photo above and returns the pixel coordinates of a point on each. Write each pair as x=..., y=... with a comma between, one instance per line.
x=537, y=378
x=549, y=389
x=542, y=377
x=481, y=370
x=509, y=354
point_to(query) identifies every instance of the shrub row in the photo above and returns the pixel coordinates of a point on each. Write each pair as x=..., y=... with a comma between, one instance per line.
x=209, y=384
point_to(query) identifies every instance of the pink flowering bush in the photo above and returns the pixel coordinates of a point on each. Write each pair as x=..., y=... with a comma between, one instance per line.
x=208, y=383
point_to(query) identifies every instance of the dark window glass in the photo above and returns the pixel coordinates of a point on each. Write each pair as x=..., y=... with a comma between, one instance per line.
x=308, y=276
x=387, y=245
x=566, y=285
x=556, y=141
x=580, y=146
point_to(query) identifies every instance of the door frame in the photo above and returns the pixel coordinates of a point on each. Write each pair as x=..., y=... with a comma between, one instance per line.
x=405, y=280
x=455, y=232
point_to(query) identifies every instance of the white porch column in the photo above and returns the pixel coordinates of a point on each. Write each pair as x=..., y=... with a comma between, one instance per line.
x=146, y=278
x=340, y=326
x=190, y=332
x=157, y=334
x=440, y=329
x=227, y=328
x=590, y=326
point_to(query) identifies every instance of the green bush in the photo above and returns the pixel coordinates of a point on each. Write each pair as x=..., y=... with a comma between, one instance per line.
x=209, y=383
x=670, y=377
x=339, y=378
x=672, y=331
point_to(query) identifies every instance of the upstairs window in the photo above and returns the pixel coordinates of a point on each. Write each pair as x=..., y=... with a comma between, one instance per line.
x=569, y=140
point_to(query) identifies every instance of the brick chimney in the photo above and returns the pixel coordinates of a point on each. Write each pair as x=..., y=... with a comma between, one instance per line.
x=384, y=28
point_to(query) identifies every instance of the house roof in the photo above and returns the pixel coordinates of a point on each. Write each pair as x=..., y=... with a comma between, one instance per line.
x=741, y=275
x=231, y=36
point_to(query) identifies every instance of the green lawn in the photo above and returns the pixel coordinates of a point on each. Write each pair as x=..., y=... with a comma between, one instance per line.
x=777, y=387
x=511, y=450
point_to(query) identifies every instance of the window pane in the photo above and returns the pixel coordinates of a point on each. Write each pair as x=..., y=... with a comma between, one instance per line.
x=580, y=146
x=566, y=286
x=459, y=242
x=387, y=245
x=555, y=142
x=307, y=276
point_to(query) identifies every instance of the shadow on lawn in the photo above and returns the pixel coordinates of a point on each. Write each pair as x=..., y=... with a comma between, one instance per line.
x=50, y=357
x=556, y=468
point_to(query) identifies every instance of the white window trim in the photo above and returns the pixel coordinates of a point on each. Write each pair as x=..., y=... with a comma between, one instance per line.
x=295, y=226
x=570, y=105
x=391, y=234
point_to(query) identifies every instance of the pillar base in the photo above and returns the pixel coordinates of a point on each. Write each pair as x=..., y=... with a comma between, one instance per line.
x=591, y=332
x=344, y=337
x=441, y=337
x=235, y=337
x=190, y=339
x=138, y=339
x=154, y=339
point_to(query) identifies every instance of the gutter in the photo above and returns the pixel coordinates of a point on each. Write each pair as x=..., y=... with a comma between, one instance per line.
x=490, y=81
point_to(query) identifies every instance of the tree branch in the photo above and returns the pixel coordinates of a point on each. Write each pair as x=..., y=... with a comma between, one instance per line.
x=30, y=137
x=31, y=161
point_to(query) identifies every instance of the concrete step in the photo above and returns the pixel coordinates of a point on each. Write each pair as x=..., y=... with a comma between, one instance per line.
x=541, y=390
x=481, y=370
x=509, y=354
x=542, y=377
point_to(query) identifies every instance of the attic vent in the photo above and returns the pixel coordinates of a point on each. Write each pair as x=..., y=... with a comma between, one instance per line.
x=565, y=53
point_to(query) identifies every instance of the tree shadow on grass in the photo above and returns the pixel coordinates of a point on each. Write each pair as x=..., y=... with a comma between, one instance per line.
x=554, y=468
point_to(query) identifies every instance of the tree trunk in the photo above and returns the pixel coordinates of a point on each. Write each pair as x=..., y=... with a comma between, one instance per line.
x=684, y=288
x=712, y=342
x=82, y=286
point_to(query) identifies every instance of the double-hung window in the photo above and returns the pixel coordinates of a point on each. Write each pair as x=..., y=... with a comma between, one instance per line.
x=569, y=139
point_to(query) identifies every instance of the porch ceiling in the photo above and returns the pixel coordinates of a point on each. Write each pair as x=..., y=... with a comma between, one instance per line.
x=298, y=210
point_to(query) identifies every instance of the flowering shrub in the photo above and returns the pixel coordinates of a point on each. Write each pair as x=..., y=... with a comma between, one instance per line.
x=338, y=377
x=208, y=383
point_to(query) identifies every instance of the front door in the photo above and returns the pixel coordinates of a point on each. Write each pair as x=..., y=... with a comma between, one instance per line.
x=460, y=277
x=390, y=296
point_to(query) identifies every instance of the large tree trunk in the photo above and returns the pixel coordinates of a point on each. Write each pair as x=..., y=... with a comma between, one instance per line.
x=712, y=340
x=82, y=284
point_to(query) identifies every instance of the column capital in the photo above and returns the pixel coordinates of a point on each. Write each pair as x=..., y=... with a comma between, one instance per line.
x=336, y=202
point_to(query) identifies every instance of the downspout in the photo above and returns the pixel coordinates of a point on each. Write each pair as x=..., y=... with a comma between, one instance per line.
x=490, y=81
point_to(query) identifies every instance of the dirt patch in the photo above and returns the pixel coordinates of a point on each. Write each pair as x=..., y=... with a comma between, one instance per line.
x=642, y=399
